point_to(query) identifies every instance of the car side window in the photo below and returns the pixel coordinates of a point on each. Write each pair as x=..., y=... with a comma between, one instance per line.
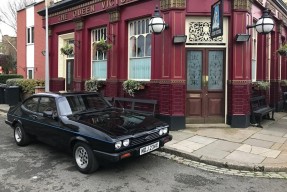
x=47, y=104
x=31, y=104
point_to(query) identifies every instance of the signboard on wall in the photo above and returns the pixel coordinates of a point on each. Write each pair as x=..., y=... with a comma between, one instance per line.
x=216, y=28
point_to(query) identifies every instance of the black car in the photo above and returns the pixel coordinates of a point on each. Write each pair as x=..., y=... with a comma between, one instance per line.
x=88, y=125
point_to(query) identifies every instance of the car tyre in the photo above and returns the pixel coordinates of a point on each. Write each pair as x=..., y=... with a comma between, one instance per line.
x=20, y=136
x=85, y=160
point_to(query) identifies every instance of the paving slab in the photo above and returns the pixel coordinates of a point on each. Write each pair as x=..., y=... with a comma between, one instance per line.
x=259, y=143
x=179, y=135
x=274, y=131
x=259, y=151
x=214, y=153
x=201, y=139
x=241, y=156
x=228, y=134
x=268, y=138
x=223, y=146
x=189, y=144
x=280, y=159
x=276, y=146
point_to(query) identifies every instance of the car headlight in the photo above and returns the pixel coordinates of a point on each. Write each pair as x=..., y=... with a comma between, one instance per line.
x=160, y=132
x=165, y=130
x=126, y=142
x=118, y=144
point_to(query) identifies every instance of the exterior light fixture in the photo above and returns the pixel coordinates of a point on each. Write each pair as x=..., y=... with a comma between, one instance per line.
x=265, y=24
x=242, y=37
x=156, y=23
x=179, y=39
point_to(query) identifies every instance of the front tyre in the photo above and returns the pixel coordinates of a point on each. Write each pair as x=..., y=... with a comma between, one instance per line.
x=84, y=158
x=20, y=136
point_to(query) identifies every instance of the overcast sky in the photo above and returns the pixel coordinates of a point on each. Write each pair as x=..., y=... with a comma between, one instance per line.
x=6, y=30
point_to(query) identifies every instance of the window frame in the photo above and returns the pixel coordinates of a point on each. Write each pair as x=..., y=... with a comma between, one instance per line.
x=96, y=35
x=136, y=30
x=30, y=35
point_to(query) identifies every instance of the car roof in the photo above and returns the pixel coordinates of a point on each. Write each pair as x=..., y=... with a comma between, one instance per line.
x=66, y=93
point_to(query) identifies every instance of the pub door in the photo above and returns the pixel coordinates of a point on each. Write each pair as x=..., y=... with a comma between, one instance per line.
x=205, y=96
x=69, y=74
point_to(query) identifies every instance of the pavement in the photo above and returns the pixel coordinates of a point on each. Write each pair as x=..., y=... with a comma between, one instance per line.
x=251, y=149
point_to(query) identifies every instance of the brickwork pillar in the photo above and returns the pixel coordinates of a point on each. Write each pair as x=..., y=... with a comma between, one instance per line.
x=239, y=70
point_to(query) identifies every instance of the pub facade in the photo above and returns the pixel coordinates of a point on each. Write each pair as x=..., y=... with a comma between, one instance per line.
x=200, y=80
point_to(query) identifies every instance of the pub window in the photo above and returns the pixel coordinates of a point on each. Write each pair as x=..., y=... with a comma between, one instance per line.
x=254, y=54
x=139, y=50
x=30, y=35
x=99, y=58
x=30, y=73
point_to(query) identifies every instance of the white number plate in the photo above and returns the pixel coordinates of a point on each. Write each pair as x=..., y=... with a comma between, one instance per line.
x=149, y=148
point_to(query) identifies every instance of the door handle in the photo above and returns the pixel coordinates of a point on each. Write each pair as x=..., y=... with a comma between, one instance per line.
x=34, y=116
x=205, y=80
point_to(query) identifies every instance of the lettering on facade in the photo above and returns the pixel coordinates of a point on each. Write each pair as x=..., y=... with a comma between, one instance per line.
x=63, y=17
x=84, y=11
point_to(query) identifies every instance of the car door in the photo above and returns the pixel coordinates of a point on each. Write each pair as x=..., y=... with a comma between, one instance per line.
x=29, y=115
x=48, y=129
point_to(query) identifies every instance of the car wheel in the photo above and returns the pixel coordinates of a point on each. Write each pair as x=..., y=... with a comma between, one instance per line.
x=20, y=136
x=84, y=158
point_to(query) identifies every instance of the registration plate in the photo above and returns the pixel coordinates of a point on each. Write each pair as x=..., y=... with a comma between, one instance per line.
x=149, y=148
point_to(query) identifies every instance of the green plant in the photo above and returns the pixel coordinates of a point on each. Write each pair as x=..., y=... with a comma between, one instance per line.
x=283, y=82
x=67, y=49
x=261, y=85
x=94, y=84
x=5, y=77
x=102, y=45
x=26, y=85
x=130, y=86
x=282, y=50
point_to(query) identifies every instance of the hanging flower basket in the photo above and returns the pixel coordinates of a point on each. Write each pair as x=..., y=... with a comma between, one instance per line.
x=67, y=50
x=102, y=46
x=283, y=82
x=282, y=50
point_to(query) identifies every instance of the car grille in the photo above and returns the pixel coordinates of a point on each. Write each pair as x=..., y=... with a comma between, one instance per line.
x=144, y=139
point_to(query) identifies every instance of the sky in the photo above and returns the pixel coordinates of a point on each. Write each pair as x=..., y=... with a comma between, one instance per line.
x=6, y=30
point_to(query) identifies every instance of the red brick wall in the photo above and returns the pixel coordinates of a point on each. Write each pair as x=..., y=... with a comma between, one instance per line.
x=21, y=43
x=39, y=43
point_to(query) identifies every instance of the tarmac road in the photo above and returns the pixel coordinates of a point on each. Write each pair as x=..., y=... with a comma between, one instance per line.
x=38, y=168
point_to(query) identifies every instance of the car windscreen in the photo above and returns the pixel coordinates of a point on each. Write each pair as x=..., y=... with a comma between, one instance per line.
x=82, y=103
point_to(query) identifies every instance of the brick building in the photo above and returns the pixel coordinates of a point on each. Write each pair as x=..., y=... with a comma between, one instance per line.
x=203, y=80
x=31, y=42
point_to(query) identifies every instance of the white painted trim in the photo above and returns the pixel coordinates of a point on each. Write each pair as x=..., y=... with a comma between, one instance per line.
x=213, y=45
x=62, y=58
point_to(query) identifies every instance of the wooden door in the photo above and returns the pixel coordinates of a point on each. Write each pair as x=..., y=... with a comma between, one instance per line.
x=205, y=86
x=69, y=74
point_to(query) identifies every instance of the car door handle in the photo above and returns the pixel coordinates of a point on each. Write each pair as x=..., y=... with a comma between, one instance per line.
x=34, y=116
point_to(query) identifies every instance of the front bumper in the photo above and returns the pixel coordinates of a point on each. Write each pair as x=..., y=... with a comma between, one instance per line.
x=8, y=122
x=114, y=157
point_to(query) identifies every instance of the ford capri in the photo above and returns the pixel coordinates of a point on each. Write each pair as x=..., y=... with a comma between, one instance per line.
x=87, y=125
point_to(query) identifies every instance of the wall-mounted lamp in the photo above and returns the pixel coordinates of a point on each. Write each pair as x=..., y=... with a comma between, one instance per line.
x=265, y=24
x=179, y=39
x=156, y=23
x=242, y=37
